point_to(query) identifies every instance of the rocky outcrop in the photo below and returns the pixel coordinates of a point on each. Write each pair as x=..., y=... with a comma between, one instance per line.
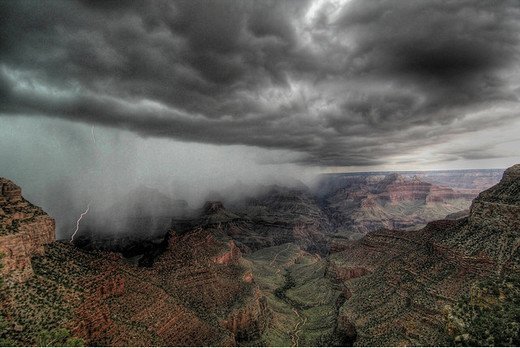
x=24, y=230
x=507, y=190
x=492, y=228
x=345, y=273
x=248, y=322
x=396, y=188
x=229, y=257
x=212, y=207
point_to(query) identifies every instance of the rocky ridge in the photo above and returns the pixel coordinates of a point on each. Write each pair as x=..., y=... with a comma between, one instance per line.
x=197, y=293
x=276, y=217
x=400, y=282
x=24, y=231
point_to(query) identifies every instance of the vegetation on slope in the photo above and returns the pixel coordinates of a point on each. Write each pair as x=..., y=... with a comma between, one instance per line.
x=302, y=299
x=37, y=318
x=488, y=316
x=3, y=321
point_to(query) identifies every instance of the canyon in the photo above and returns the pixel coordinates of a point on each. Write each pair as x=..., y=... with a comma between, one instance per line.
x=412, y=277
x=356, y=260
x=365, y=202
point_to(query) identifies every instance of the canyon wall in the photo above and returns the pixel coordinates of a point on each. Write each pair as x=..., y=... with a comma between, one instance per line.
x=24, y=230
x=198, y=292
x=410, y=278
x=395, y=201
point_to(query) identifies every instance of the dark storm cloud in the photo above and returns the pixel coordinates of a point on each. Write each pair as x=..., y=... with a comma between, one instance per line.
x=453, y=50
x=348, y=84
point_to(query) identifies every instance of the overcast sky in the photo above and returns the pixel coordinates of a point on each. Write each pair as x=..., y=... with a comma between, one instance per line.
x=351, y=83
x=169, y=90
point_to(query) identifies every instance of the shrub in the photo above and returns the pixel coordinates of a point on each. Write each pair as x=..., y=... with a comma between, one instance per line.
x=58, y=338
x=488, y=316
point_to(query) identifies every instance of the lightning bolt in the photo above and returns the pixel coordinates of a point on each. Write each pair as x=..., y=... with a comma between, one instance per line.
x=88, y=205
x=93, y=136
x=77, y=222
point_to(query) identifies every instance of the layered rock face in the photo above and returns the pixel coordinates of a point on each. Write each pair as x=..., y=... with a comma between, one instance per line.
x=394, y=201
x=495, y=211
x=198, y=292
x=395, y=188
x=277, y=217
x=286, y=216
x=474, y=180
x=400, y=281
x=470, y=180
x=24, y=230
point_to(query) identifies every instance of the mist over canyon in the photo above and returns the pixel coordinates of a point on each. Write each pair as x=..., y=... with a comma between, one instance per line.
x=275, y=269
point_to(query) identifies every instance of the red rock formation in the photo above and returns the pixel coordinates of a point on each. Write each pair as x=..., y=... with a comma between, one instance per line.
x=396, y=188
x=248, y=277
x=230, y=256
x=339, y=244
x=441, y=194
x=248, y=321
x=344, y=273
x=24, y=230
x=393, y=202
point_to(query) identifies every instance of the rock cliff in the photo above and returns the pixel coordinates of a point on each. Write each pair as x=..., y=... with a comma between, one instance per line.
x=24, y=230
x=409, y=277
x=393, y=202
